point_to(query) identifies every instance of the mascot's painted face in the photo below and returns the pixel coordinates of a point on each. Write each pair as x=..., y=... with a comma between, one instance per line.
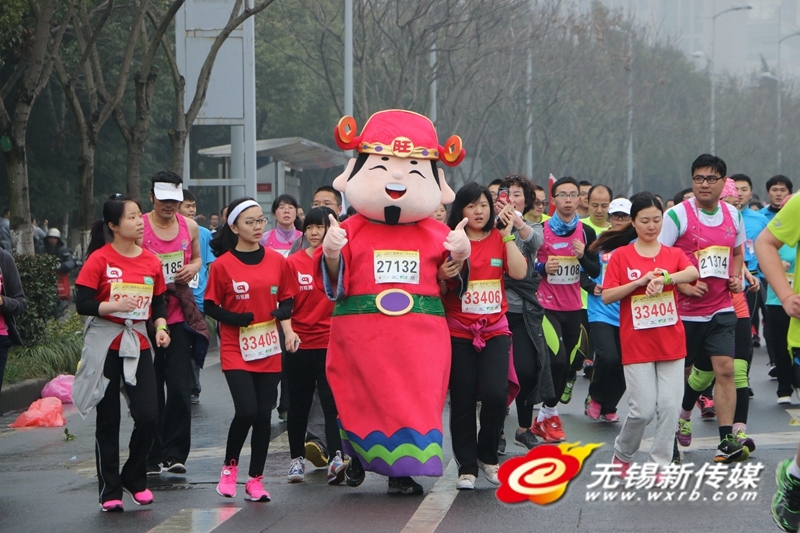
x=394, y=190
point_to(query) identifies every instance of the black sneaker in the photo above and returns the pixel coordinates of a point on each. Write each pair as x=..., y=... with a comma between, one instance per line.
x=773, y=372
x=316, y=453
x=526, y=439
x=404, y=485
x=195, y=398
x=354, y=473
x=283, y=415
x=731, y=450
x=174, y=467
x=786, y=502
x=756, y=341
x=153, y=470
x=676, y=453
x=501, y=444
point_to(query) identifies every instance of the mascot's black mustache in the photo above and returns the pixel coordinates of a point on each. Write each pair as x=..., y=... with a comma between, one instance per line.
x=391, y=214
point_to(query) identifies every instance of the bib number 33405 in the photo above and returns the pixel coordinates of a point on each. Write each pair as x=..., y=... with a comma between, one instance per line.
x=259, y=341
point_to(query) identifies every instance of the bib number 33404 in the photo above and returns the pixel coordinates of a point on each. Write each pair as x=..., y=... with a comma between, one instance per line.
x=259, y=341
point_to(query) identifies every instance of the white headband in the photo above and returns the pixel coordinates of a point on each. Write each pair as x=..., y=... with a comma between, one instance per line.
x=233, y=215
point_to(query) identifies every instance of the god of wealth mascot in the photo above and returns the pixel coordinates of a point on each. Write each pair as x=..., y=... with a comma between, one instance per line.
x=388, y=360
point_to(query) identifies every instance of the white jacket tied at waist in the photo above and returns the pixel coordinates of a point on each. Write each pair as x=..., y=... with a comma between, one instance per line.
x=90, y=384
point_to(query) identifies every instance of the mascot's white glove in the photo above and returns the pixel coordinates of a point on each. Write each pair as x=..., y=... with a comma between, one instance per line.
x=457, y=242
x=335, y=239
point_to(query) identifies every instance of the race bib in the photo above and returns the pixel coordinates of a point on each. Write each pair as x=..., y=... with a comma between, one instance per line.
x=194, y=283
x=750, y=247
x=569, y=271
x=171, y=263
x=259, y=341
x=713, y=262
x=396, y=266
x=654, y=311
x=143, y=294
x=482, y=297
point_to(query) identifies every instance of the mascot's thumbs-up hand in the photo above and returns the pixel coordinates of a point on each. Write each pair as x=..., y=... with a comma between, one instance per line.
x=335, y=239
x=457, y=242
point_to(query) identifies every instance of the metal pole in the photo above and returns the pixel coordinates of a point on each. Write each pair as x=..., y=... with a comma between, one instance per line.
x=778, y=87
x=432, y=63
x=529, y=126
x=630, y=114
x=348, y=57
x=713, y=88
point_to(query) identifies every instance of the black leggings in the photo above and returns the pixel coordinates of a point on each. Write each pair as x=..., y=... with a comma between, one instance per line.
x=526, y=364
x=608, y=382
x=776, y=328
x=474, y=373
x=743, y=351
x=144, y=411
x=254, y=394
x=304, y=371
x=567, y=325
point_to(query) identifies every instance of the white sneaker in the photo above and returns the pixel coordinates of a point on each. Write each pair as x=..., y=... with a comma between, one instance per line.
x=785, y=400
x=490, y=471
x=297, y=470
x=466, y=482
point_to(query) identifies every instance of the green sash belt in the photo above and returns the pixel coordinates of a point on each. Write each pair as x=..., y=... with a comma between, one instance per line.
x=366, y=305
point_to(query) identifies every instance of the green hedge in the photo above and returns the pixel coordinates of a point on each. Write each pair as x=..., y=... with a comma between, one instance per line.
x=38, y=275
x=59, y=355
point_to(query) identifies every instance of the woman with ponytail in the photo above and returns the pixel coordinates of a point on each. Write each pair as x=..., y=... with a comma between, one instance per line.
x=250, y=289
x=120, y=287
x=641, y=275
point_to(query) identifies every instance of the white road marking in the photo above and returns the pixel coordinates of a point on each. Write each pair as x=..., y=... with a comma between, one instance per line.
x=434, y=507
x=195, y=520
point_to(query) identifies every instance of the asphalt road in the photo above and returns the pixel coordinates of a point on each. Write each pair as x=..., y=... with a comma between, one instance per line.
x=48, y=484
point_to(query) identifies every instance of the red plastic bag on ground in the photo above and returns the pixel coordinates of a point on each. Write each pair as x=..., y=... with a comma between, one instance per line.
x=59, y=387
x=47, y=412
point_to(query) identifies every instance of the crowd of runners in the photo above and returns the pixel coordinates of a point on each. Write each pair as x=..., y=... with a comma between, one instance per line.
x=662, y=300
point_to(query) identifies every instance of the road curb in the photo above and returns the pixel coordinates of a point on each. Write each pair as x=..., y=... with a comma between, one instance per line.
x=21, y=395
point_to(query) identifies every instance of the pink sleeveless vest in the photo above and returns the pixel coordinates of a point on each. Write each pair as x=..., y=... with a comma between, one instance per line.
x=697, y=237
x=559, y=297
x=181, y=242
x=270, y=240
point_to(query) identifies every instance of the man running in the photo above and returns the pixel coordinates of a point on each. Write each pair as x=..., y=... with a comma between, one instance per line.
x=778, y=188
x=583, y=203
x=711, y=236
x=560, y=260
x=784, y=229
x=176, y=241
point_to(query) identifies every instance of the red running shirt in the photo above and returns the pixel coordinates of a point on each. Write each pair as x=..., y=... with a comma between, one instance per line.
x=664, y=343
x=106, y=266
x=311, y=316
x=256, y=289
x=486, y=296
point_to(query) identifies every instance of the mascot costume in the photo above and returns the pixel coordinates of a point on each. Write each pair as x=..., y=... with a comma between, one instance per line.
x=389, y=353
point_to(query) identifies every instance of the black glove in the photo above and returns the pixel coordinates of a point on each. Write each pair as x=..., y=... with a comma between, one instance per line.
x=244, y=319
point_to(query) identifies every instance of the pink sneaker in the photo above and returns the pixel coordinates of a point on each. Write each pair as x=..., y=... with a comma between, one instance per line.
x=227, y=480
x=144, y=497
x=254, y=490
x=610, y=417
x=623, y=466
x=112, y=506
x=592, y=409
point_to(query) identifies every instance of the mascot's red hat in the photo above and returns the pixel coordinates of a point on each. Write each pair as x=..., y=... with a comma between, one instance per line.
x=401, y=134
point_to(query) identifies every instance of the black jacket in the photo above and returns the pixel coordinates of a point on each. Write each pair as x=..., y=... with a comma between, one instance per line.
x=64, y=255
x=14, y=302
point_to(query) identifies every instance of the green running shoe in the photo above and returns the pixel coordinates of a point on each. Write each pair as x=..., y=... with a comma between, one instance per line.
x=786, y=502
x=731, y=450
x=684, y=432
x=566, y=396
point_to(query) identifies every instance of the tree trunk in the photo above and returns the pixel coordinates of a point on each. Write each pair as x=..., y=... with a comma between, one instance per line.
x=138, y=133
x=17, y=168
x=86, y=185
x=179, y=134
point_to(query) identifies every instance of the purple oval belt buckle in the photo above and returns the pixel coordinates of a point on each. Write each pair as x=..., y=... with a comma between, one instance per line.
x=394, y=302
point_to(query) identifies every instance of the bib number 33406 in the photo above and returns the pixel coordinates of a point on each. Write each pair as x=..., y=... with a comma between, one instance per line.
x=396, y=266
x=259, y=341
